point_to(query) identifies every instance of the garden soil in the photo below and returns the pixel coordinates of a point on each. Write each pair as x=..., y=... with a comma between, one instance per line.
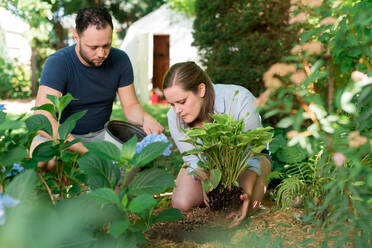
x=204, y=228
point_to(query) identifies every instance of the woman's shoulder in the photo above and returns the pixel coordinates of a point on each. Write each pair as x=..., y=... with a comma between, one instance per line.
x=229, y=90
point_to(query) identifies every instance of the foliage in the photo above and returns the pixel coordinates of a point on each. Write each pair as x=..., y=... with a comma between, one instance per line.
x=322, y=98
x=135, y=196
x=13, y=143
x=238, y=40
x=183, y=6
x=225, y=149
x=101, y=213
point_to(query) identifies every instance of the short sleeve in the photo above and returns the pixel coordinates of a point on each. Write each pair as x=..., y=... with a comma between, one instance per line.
x=126, y=71
x=54, y=74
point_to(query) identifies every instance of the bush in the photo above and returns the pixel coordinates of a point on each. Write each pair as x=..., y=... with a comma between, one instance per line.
x=238, y=40
x=322, y=94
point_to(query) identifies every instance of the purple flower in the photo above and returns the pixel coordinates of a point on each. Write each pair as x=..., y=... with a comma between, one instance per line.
x=6, y=201
x=2, y=107
x=151, y=138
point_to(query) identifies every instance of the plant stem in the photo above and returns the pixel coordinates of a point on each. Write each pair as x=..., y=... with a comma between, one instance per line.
x=47, y=188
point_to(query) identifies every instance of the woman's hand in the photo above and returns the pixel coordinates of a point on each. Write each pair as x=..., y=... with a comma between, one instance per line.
x=239, y=215
x=205, y=199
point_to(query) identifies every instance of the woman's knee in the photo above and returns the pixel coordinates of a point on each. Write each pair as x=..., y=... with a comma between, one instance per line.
x=182, y=204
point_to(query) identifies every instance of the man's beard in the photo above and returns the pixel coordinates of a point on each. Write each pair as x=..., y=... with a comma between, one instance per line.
x=86, y=59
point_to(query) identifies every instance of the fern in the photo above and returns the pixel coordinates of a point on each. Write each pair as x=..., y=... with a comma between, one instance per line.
x=288, y=189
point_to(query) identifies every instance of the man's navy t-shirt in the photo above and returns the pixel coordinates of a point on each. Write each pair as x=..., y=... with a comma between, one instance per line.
x=94, y=87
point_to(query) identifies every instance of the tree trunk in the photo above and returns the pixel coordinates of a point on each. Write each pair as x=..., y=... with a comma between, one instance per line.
x=34, y=71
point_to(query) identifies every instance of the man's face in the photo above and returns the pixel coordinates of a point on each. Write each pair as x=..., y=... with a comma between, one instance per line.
x=93, y=45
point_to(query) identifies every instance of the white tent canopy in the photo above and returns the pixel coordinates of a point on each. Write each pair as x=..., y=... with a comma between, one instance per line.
x=139, y=45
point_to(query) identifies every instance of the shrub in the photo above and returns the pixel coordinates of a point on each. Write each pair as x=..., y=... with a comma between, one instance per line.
x=238, y=40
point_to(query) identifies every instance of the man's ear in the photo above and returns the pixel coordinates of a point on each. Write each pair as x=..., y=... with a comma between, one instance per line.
x=76, y=37
x=202, y=89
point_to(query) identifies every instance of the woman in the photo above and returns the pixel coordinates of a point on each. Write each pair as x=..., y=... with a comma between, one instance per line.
x=193, y=98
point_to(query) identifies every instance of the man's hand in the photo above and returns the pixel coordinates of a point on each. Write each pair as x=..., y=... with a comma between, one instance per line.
x=239, y=215
x=150, y=125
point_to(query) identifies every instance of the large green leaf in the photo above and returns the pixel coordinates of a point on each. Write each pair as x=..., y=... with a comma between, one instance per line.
x=149, y=153
x=68, y=125
x=168, y=215
x=39, y=122
x=129, y=148
x=22, y=185
x=44, y=151
x=118, y=227
x=151, y=181
x=12, y=156
x=100, y=172
x=47, y=107
x=105, y=196
x=11, y=124
x=105, y=150
x=141, y=203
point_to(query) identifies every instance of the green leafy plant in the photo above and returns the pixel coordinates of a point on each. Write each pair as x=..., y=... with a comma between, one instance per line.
x=135, y=202
x=225, y=149
x=67, y=179
x=13, y=143
x=321, y=93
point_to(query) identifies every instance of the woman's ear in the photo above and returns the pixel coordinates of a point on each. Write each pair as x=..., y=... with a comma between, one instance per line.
x=202, y=89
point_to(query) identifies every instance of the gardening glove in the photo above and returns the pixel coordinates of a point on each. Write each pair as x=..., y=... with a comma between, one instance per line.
x=239, y=215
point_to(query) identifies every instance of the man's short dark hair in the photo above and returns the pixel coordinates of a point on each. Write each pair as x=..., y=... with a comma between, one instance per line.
x=96, y=16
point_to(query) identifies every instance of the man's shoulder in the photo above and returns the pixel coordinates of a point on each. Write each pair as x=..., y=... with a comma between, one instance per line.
x=117, y=53
x=62, y=55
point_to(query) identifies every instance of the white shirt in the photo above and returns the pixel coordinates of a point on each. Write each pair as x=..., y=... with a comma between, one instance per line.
x=241, y=107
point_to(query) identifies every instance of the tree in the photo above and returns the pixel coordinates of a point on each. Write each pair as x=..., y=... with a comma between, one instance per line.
x=239, y=40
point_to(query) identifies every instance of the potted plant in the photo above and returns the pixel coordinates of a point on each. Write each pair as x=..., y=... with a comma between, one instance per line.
x=225, y=149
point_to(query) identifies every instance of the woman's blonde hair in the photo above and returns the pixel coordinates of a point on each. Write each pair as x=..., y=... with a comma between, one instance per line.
x=189, y=76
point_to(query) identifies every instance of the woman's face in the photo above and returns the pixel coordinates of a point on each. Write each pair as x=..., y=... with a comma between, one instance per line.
x=185, y=103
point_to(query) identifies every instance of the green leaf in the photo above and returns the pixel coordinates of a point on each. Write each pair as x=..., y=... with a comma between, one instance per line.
x=168, y=215
x=105, y=195
x=39, y=122
x=64, y=101
x=68, y=125
x=13, y=155
x=141, y=203
x=285, y=122
x=100, y=172
x=215, y=177
x=47, y=107
x=149, y=153
x=129, y=148
x=11, y=124
x=118, y=227
x=22, y=185
x=105, y=150
x=151, y=181
x=45, y=151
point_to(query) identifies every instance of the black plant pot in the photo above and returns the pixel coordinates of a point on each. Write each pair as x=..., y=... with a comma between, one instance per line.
x=119, y=132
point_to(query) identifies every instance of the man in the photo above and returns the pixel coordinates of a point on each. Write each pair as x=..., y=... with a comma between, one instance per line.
x=93, y=72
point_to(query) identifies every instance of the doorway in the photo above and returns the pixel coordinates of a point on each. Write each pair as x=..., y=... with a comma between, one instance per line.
x=161, y=59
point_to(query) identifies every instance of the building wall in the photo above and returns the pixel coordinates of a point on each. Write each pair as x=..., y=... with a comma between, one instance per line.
x=16, y=40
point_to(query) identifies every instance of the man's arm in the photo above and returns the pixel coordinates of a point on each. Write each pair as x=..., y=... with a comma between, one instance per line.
x=42, y=99
x=135, y=113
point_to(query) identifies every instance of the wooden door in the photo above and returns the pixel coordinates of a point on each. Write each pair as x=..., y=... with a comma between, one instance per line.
x=161, y=59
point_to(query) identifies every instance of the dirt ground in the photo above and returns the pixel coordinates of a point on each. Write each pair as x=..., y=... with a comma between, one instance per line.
x=203, y=228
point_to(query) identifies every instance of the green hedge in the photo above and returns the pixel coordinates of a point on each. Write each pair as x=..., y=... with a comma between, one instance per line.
x=239, y=40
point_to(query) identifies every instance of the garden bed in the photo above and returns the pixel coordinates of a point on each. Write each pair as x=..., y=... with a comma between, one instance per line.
x=202, y=227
